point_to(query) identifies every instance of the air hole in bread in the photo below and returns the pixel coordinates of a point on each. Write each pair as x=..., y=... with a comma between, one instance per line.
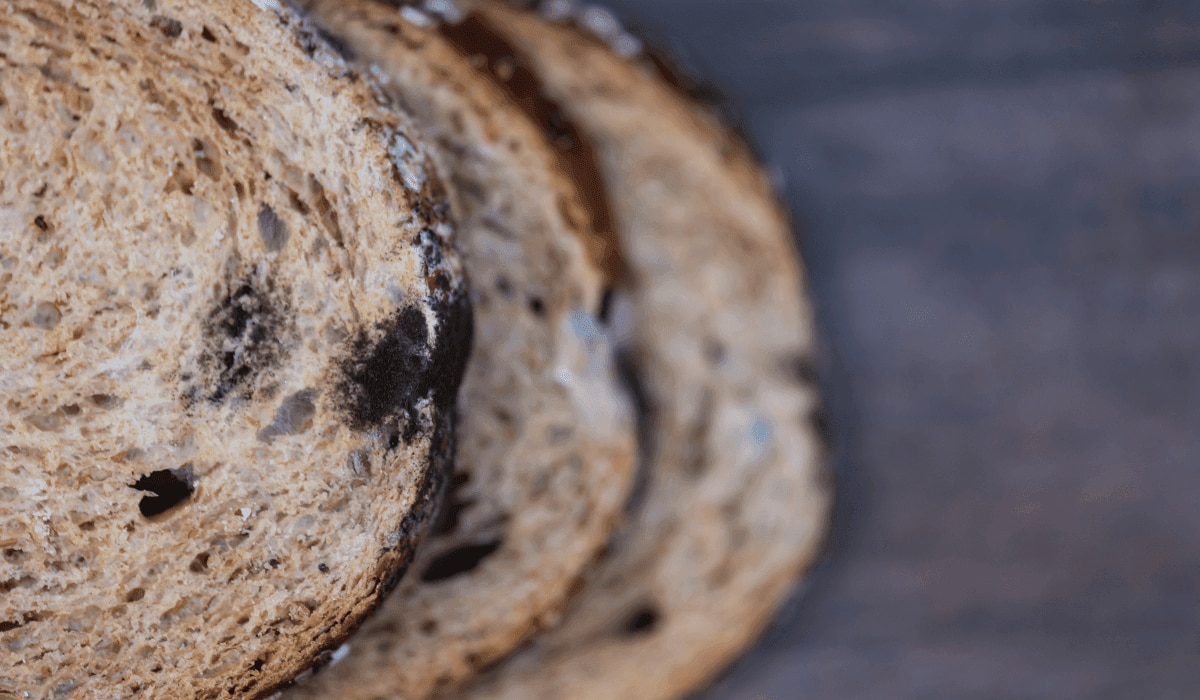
x=293, y=417
x=641, y=621
x=105, y=401
x=171, y=28
x=429, y=627
x=224, y=121
x=504, y=287
x=537, y=306
x=459, y=561
x=47, y=422
x=170, y=488
x=714, y=351
x=40, y=222
x=135, y=595
x=451, y=512
x=392, y=435
x=199, y=563
x=15, y=583
x=297, y=203
x=697, y=461
x=272, y=229
x=207, y=159
x=13, y=555
x=801, y=369
x=558, y=434
x=46, y=315
x=325, y=209
x=820, y=421
x=207, y=35
x=606, y=305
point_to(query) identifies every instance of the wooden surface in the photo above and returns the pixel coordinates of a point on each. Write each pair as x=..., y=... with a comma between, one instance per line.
x=1000, y=204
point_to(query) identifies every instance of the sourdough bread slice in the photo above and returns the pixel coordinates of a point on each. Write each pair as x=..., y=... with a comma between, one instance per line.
x=736, y=499
x=546, y=442
x=233, y=328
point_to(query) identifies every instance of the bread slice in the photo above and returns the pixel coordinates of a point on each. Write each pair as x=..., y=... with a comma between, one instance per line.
x=233, y=328
x=737, y=496
x=547, y=442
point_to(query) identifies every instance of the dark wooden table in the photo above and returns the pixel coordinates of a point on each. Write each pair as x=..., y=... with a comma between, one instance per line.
x=1000, y=204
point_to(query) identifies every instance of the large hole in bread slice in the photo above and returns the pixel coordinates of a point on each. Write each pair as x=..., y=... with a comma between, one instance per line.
x=170, y=488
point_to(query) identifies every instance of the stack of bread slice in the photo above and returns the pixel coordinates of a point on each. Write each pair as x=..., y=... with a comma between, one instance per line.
x=362, y=349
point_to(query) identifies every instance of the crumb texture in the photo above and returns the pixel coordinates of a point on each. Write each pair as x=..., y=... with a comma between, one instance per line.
x=546, y=439
x=232, y=325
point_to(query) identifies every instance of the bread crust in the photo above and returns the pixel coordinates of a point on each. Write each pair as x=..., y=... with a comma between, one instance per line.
x=235, y=323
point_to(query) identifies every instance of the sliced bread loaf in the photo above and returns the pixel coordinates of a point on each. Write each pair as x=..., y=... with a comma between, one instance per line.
x=546, y=442
x=737, y=497
x=233, y=326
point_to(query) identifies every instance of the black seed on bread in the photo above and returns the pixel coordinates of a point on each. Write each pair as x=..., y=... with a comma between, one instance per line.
x=207, y=261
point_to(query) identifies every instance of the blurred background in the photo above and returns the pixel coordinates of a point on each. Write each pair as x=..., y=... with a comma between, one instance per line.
x=999, y=203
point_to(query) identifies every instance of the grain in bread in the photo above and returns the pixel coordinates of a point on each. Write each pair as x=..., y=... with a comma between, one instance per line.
x=233, y=328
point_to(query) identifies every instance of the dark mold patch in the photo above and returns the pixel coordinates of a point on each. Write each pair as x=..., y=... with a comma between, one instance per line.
x=273, y=230
x=431, y=249
x=384, y=376
x=394, y=366
x=170, y=488
x=459, y=561
x=243, y=334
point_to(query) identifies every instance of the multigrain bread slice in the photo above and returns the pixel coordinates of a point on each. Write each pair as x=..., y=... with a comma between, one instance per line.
x=546, y=442
x=737, y=497
x=233, y=326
